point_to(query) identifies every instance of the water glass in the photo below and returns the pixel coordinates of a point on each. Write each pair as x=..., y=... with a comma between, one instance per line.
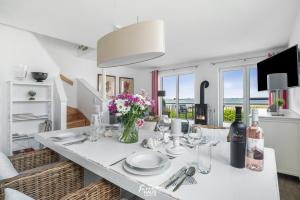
x=194, y=139
x=94, y=128
x=204, y=158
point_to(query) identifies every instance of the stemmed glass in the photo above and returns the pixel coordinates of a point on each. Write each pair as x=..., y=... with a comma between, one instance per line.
x=163, y=126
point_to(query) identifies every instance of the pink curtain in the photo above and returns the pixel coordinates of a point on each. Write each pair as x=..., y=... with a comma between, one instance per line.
x=154, y=91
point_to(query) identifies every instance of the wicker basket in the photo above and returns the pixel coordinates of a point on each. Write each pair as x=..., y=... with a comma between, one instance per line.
x=30, y=160
x=100, y=190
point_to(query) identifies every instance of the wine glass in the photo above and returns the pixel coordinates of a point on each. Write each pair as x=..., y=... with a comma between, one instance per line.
x=163, y=126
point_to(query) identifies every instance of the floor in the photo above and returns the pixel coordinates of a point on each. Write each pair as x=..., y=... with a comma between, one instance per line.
x=289, y=187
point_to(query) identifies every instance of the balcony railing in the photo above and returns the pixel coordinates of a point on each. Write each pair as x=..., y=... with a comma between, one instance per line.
x=185, y=111
x=230, y=103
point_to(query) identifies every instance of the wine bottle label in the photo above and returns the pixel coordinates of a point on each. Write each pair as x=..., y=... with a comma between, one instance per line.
x=255, y=148
x=238, y=136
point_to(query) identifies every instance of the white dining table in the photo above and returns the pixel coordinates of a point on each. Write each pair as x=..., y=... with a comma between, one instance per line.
x=223, y=182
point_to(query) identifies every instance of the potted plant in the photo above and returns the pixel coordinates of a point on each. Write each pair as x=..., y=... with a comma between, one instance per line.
x=280, y=103
x=31, y=95
x=131, y=109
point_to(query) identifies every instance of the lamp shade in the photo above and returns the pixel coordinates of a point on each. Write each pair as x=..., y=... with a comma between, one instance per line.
x=132, y=44
x=277, y=81
x=161, y=93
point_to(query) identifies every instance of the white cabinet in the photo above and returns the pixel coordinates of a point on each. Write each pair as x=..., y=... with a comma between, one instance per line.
x=283, y=135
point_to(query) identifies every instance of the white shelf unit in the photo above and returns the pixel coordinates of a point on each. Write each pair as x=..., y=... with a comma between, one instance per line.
x=24, y=115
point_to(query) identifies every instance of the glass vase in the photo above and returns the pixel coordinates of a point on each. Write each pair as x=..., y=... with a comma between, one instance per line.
x=130, y=134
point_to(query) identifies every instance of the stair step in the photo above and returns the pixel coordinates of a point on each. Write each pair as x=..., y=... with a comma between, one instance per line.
x=75, y=118
x=71, y=110
x=76, y=123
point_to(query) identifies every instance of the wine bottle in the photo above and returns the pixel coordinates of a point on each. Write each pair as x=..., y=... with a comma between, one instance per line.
x=255, y=144
x=238, y=140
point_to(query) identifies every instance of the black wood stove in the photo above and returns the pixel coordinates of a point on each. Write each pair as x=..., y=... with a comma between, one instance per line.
x=201, y=109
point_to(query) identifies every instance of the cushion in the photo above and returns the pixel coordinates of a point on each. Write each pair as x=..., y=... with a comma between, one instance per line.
x=11, y=194
x=7, y=170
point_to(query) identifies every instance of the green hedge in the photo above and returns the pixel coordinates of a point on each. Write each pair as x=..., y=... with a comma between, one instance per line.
x=229, y=114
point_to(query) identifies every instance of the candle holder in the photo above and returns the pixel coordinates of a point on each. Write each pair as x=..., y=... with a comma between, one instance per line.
x=176, y=134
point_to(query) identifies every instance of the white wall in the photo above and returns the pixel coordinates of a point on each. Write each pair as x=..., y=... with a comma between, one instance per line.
x=74, y=66
x=294, y=93
x=54, y=56
x=19, y=47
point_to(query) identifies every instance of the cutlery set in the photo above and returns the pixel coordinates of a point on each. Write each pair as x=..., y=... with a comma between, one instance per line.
x=183, y=176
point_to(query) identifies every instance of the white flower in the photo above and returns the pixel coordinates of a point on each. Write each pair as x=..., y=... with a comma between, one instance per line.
x=121, y=107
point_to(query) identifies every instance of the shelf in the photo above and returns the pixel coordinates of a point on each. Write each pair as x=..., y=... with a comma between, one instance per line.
x=22, y=137
x=31, y=101
x=43, y=84
x=34, y=119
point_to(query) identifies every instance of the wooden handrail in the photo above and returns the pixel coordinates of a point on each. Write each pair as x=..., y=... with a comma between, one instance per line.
x=65, y=79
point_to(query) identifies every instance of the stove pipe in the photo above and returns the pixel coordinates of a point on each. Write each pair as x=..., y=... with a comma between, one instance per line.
x=201, y=109
x=203, y=85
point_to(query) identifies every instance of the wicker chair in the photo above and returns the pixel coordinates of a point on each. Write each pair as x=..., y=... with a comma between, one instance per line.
x=42, y=177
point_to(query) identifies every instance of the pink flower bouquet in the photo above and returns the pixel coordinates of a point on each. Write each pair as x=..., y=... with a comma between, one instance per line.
x=131, y=109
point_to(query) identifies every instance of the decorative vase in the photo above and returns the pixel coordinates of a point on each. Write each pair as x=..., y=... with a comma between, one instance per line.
x=130, y=133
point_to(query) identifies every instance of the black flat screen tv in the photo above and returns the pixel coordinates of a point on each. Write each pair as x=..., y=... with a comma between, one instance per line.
x=284, y=62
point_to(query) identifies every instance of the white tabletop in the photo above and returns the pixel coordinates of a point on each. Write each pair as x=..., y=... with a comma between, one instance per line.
x=224, y=182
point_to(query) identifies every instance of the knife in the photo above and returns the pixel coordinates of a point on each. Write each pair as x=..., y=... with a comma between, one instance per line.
x=175, y=177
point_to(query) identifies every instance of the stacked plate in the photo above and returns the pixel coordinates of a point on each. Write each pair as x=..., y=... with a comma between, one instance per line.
x=67, y=137
x=146, y=163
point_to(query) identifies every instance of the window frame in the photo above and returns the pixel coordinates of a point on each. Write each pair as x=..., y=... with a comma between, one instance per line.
x=177, y=74
x=246, y=91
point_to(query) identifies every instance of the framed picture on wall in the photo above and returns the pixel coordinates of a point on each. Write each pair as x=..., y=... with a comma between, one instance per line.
x=110, y=85
x=126, y=85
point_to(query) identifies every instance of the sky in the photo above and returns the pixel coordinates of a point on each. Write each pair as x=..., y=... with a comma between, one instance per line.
x=186, y=86
x=233, y=84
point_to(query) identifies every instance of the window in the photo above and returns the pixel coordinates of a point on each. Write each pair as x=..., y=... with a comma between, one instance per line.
x=233, y=89
x=238, y=87
x=258, y=100
x=180, y=98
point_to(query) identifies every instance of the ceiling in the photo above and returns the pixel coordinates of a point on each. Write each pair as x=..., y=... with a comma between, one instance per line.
x=195, y=29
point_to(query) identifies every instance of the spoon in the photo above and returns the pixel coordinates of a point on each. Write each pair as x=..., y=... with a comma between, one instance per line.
x=188, y=173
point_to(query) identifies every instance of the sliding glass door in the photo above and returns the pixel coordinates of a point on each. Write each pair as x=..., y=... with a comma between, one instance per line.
x=232, y=94
x=169, y=102
x=186, y=96
x=180, y=98
x=238, y=87
x=258, y=100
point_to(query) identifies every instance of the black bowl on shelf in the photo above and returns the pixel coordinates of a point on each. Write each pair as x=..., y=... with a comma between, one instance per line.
x=39, y=76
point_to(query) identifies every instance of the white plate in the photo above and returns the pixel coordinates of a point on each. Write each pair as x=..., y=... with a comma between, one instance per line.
x=147, y=160
x=63, y=136
x=78, y=138
x=146, y=172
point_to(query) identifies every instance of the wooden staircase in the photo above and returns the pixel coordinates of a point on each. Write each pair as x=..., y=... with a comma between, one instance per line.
x=75, y=118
